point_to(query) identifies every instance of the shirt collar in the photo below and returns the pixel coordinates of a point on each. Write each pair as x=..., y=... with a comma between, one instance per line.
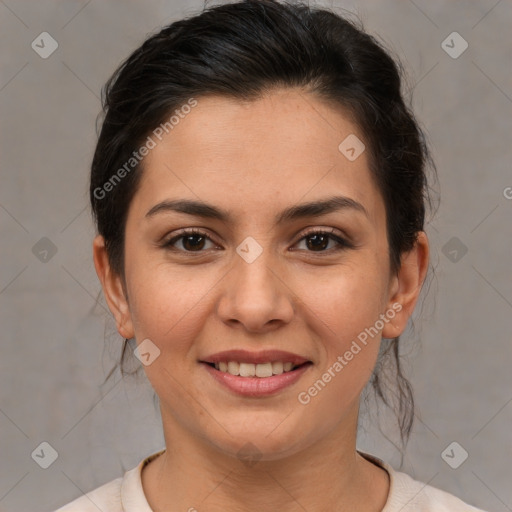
x=133, y=498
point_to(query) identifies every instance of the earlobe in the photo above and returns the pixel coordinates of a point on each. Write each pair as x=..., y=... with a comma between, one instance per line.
x=112, y=288
x=406, y=286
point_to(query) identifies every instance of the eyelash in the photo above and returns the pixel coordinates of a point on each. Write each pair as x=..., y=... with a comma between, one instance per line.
x=342, y=243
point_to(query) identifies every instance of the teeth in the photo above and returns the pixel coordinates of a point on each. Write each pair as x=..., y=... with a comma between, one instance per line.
x=248, y=369
x=277, y=368
x=252, y=370
x=233, y=368
x=263, y=370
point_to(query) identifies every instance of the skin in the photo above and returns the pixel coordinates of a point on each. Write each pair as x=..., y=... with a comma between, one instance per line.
x=254, y=160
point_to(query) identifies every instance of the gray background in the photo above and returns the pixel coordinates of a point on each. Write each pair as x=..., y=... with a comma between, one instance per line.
x=53, y=351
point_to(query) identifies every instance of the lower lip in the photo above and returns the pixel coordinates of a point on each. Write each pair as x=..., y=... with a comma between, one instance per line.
x=257, y=386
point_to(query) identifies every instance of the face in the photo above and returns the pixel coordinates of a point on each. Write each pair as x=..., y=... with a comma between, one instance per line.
x=252, y=281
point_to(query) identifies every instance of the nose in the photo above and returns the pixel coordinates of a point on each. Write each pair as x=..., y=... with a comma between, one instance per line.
x=255, y=295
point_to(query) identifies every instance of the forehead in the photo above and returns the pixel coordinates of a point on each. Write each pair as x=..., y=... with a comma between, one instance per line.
x=273, y=151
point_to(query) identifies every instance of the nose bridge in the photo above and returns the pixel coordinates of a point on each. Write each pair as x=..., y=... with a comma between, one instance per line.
x=255, y=266
x=255, y=294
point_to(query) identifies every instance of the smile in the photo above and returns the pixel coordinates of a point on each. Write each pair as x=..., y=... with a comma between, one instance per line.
x=255, y=374
x=256, y=380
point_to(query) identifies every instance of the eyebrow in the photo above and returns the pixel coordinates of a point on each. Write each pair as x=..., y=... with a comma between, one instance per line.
x=311, y=209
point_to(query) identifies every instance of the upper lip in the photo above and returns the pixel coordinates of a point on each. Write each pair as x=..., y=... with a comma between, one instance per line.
x=264, y=356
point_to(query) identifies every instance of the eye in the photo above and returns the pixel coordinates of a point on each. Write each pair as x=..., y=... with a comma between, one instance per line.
x=192, y=240
x=318, y=241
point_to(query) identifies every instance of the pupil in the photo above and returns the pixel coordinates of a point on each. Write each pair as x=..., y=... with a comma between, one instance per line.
x=316, y=245
x=187, y=240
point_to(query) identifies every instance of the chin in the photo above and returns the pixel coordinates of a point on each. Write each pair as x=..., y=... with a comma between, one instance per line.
x=258, y=444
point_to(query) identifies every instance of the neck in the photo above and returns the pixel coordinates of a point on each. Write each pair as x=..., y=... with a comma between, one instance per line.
x=193, y=474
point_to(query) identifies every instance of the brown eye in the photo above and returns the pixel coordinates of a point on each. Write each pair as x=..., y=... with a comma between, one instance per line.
x=191, y=241
x=318, y=241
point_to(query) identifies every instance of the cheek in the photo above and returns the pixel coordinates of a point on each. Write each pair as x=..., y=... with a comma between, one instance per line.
x=166, y=310
x=345, y=310
x=347, y=300
x=166, y=303
x=345, y=315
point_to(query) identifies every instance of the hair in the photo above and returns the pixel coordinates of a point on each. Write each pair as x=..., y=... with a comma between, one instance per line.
x=244, y=50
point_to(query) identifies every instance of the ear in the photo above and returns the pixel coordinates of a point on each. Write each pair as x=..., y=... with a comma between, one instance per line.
x=112, y=288
x=406, y=285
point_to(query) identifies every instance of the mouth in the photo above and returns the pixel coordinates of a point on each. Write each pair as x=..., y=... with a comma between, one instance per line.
x=255, y=374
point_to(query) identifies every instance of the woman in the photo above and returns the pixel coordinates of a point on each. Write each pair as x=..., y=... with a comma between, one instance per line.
x=259, y=191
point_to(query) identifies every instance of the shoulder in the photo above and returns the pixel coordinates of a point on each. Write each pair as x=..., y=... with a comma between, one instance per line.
x=106, y=498
x=124, y=494
x=409, y=495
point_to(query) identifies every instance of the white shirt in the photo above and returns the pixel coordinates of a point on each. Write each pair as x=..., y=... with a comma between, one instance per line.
x=125, y=494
